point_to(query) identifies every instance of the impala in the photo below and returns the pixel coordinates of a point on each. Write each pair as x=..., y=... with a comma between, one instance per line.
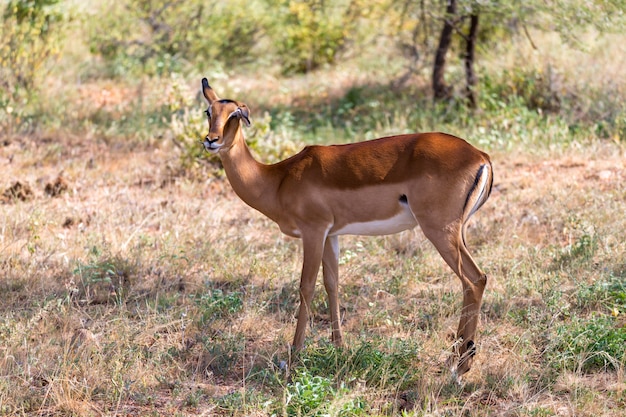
x=376, y=187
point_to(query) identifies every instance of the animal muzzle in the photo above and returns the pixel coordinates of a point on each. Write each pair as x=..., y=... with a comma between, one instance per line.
x=211, y=145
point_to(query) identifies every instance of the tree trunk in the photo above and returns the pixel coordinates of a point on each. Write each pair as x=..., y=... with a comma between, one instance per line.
x=442, y=91
x=470, y=75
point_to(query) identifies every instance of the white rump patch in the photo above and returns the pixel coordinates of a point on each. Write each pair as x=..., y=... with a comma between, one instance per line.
x=482, y=186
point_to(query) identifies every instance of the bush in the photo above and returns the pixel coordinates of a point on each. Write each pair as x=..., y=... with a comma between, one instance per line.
x=314, y=395
x=536, y=89
x=216, y=304
x=608, y=293
x=321, y=382
x=157, y=37
x=31, y=33
x=312, y=33
x=104, y=279
x=589, y=344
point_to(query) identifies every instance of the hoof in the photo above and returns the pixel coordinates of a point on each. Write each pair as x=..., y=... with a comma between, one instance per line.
x=470, y=349
x=460, y=363
x=466, y=358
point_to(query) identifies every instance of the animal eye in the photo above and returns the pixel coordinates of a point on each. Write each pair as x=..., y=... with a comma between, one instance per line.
x=208, y=112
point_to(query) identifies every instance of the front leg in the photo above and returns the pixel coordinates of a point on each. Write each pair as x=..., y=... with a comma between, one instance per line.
x=313, y=248
x=330, y=265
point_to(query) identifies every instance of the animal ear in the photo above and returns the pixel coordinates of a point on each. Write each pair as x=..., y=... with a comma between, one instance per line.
x=242, y=113
x=245, y=114
x=208, y=92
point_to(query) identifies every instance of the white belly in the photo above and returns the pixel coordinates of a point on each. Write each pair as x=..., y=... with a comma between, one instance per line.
x=401, y=221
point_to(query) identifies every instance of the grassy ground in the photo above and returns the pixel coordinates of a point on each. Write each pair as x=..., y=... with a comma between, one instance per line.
x=133, y=292
x=136, y=283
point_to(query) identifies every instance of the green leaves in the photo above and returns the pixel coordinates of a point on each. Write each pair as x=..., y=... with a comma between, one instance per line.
x=157, y=37
x=31, y=33
x=216, y=304
x=314, y=395
x=311, y=33
x=589, y=344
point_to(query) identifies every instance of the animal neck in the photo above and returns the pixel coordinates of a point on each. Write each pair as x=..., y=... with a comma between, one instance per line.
x=255, y=183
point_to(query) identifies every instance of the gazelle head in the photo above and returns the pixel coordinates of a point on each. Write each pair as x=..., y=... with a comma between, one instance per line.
x=224, y=116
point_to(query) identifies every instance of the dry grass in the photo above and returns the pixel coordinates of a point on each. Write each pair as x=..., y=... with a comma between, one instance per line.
x=78, y=339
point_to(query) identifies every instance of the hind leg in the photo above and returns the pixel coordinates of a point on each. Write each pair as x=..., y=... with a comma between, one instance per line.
x=448, y=239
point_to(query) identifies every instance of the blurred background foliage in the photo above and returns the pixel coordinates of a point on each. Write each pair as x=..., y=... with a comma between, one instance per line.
x=157, y=37
x=31, y=35
x=133, y=42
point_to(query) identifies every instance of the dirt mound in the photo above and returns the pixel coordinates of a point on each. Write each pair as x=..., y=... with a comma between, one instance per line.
x=57, y=187
x=18, y=191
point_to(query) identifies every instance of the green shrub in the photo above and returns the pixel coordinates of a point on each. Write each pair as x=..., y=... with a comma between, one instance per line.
x=31, y=33
x=314, y=395
x=583, y=243
x=589, y=344
x=104, y=279
x=307, y=394
x=157, y=37
x=216, y=304
x=609, y=293
x=312, y=33
x=380, y=366
x=225, y=351
x=535, y=88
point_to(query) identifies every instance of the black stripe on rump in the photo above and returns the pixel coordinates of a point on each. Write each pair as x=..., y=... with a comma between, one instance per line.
x=479, y=174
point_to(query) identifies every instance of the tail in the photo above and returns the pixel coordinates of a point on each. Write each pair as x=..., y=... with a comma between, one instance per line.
x=479, y=193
